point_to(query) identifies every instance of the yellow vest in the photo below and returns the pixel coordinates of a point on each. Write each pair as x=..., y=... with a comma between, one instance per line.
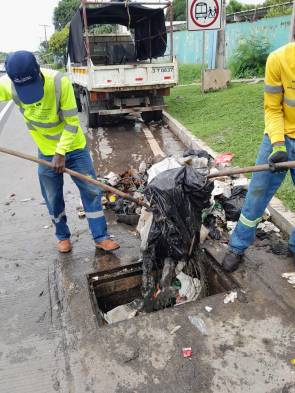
x=53, y=121
x=279, y=94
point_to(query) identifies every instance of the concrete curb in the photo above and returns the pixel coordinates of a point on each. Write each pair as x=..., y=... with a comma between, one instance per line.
x=281, y=216
x=249, y=81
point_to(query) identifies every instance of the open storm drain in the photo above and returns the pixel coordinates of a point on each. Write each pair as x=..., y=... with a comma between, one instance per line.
x=118, y=295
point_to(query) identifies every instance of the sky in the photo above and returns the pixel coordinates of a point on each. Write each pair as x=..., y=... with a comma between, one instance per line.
x=21, y=19
x=20, y=23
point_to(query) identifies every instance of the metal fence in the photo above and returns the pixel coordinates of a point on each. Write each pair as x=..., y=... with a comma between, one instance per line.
x=188, y=44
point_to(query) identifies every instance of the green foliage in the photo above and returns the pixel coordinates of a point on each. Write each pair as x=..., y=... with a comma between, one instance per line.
x=102, y=29
x=249, y=58
x=277, y=11
x=2, y=56
x=228, y=120
x=179, y=8
x=58, y=42
x=235, y=6
x=64, y=12
x=189, y=73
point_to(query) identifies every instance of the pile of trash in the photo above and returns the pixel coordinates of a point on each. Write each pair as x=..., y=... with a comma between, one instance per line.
x=185, y=210
x=133, y=183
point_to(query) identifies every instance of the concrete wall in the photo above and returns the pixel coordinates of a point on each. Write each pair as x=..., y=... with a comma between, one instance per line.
x=188, y=44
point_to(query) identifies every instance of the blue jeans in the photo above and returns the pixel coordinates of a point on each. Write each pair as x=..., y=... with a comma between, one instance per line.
x=52, y=190
x=262, y=188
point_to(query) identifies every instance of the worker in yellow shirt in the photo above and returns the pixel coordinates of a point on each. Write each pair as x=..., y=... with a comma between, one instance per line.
x=47, y=103
x=278, y=145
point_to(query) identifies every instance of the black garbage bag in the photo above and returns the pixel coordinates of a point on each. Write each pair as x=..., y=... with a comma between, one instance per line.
x=233, y=205
x=199, y=153
x=177, y=197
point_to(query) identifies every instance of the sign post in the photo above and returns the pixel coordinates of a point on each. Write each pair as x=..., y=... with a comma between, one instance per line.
x=204, y=15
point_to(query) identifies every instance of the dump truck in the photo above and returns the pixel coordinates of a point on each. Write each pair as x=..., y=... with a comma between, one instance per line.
x=126, y=71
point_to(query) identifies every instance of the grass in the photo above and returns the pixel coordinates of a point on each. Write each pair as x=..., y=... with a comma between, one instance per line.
x=189, y=73
x=227, y=120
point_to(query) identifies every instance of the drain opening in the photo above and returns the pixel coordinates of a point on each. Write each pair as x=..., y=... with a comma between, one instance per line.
x=123, y=286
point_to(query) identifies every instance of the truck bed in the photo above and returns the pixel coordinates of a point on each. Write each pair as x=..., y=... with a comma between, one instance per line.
x=137, y=76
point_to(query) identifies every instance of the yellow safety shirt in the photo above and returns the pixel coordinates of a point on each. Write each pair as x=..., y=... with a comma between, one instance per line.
x=279, y=94
x=53, y=121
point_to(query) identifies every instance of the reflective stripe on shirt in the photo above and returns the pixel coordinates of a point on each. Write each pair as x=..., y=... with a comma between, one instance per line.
x=273, y=89
x=289, y=102
x=70, y=128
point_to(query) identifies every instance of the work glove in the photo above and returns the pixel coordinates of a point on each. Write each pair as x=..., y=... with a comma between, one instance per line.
x=278, y=154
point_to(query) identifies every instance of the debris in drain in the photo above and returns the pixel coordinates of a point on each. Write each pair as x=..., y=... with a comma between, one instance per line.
x=223, y=159
x=290, y=278
x=233, y=204
x=187, y=352
x=26, y=200
x=175, y=329
x=120, y=313
x=230, y=297
x=190, y=288
x=185, y=210
x=81, y=214
x=268, y=226
x=177, y=198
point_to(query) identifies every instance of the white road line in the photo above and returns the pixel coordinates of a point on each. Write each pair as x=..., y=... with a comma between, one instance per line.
x=5, y=110
x=157, y=151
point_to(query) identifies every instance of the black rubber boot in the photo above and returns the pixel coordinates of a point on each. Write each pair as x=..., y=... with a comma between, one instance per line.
x=231, y=261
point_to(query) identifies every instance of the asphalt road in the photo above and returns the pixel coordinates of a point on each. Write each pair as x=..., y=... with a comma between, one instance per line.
x=49, y=339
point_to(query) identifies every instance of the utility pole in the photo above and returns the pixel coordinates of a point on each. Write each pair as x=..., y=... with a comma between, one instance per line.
x=220, y=46
x=45, y=34
x=292, y=27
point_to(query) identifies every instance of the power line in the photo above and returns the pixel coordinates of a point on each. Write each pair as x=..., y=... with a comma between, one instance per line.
x=45, y=33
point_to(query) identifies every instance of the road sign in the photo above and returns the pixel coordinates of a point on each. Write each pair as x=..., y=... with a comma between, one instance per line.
x=204, y=14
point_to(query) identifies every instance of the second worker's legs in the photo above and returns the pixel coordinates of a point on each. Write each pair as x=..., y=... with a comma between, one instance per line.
x=262, y=188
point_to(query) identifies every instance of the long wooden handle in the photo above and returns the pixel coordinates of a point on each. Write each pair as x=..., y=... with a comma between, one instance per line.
x=250, y=169
x=74, y=173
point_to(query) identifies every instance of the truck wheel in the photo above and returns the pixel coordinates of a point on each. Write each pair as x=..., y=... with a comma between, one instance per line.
x=91, y=118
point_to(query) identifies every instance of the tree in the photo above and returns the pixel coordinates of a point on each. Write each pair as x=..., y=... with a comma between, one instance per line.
x=64, y=12
x=2, y=56
x=179, y=8
x=44, y=55
x=277, y=11
x=235, y=6
x=58, y=42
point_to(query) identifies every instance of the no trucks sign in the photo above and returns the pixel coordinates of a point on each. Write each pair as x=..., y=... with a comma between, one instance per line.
x=204, y=14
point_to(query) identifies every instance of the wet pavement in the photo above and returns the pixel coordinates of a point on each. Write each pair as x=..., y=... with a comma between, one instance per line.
x=49, y=337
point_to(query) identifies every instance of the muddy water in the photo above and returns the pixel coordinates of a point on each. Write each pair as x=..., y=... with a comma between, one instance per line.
x=118, y=148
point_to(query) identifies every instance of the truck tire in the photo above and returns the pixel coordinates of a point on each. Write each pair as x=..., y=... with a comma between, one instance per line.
x=91, y=118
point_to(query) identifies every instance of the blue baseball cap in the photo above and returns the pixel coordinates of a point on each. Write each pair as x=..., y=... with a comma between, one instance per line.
x=24, y=71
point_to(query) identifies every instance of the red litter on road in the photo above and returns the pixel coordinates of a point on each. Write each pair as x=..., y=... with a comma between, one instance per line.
x=187, y=352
